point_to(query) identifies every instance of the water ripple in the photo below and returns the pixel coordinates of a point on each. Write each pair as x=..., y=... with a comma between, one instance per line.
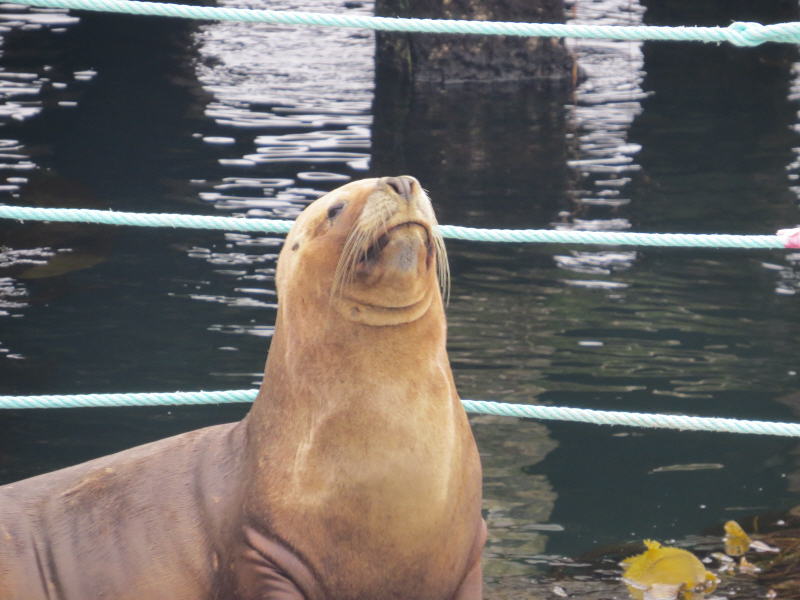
x=606, y=104
x=295, y=115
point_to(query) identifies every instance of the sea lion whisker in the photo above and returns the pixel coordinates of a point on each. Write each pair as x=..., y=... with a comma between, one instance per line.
x=369, y=236
x=352, y=253
x=442, y=266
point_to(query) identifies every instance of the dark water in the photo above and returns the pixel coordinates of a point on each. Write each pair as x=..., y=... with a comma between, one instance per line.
x=158, y=115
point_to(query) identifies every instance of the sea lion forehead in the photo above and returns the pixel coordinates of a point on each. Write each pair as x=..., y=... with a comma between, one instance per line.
x=316, y=217
x=353, y=191
x=365, y=205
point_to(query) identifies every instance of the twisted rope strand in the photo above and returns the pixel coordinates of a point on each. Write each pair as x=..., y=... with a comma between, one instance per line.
x=739, y=34
x=483, y=407
x=632, y=419
x=110, y=217
x=543, y=236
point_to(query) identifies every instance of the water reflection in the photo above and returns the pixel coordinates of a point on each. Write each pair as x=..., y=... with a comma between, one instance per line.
x=287, y=125
x=605, y=105
x=519, y=499
x=23, y=95
x=20, y=91
x=788, y=271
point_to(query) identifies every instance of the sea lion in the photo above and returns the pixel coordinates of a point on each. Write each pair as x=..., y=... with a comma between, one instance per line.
x=354, y=475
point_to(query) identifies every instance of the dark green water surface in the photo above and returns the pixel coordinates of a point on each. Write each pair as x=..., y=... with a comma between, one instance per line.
x=145, y=114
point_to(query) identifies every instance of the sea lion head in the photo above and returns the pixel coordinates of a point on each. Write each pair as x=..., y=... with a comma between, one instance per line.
x=370, y=250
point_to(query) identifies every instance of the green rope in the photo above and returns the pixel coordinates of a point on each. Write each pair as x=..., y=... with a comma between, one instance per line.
x=739, y=34
x=553, y=413
x=542, y=236
x=110, y=217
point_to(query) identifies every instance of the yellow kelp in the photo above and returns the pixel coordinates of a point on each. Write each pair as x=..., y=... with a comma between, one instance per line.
x=736, y=540
x=664, y=573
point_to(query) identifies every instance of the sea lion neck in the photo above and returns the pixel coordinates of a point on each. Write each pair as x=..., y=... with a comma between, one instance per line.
x=345, y=360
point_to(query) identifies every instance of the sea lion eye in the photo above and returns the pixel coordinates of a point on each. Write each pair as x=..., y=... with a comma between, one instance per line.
x=334, y=210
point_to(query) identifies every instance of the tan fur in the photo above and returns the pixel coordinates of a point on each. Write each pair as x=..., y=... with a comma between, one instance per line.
x=379, y=474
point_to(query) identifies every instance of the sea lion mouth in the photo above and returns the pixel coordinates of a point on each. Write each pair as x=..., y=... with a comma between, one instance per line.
x=392, y=247
x=373, y=252
x=365, y=253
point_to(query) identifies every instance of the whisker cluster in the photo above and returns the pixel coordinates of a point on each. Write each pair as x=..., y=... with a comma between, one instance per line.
x=371, y=224
x=442, y=265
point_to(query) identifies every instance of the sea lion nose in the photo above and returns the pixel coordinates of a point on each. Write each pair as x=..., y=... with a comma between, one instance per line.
x=403, y=186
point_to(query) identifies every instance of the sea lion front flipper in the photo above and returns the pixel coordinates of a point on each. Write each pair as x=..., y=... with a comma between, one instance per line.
x=268, y=570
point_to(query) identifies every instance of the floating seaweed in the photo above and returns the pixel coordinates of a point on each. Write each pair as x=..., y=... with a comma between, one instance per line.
x=737, y=542
x=664, y=573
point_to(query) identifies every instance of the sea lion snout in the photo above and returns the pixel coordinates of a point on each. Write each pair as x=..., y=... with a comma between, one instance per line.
x=403, y=185
x=408, y=247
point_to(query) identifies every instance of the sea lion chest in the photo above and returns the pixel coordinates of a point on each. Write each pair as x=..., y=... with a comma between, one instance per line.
x=382, y=501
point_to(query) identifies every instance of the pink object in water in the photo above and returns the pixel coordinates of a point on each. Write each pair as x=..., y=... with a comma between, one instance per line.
x=789, y=237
